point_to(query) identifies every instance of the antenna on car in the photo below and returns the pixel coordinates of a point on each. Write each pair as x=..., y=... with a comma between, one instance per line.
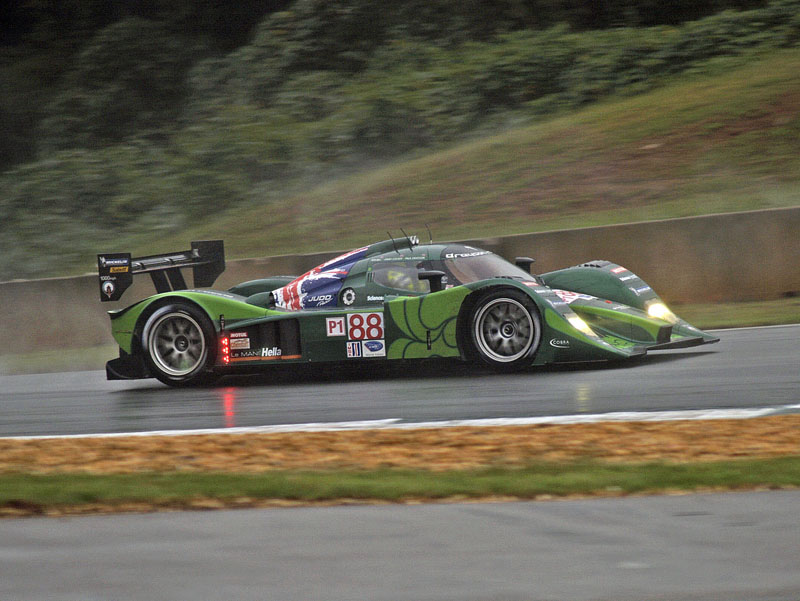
x=393, y=244
x=429, y=233
x=412, y=240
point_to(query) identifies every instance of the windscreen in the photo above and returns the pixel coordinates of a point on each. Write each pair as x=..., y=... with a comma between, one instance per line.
x=468, y=265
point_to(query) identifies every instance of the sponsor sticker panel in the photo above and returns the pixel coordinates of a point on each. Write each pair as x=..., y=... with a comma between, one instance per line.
x=365, y=335
x=335, y=326
x=570, y=297
x=373, y=348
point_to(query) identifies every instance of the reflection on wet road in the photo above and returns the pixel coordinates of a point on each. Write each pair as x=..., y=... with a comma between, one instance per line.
x=748, y=368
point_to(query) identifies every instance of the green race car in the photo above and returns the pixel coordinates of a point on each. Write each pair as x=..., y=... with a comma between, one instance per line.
x=392, y=300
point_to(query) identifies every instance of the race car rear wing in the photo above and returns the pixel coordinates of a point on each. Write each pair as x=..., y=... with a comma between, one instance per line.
x=116, y=270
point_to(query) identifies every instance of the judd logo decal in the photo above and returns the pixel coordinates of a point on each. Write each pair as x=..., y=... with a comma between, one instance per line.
x=334, y=326
x=318, y=301
x=320, y=286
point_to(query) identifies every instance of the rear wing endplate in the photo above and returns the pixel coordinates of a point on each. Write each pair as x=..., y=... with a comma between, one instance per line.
x=116, y=270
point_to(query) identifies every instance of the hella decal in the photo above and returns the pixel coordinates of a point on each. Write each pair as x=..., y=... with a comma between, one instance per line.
x=244, y=354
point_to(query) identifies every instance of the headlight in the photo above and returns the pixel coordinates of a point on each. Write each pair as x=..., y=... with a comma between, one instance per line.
x=660, y=311
x=580, y=325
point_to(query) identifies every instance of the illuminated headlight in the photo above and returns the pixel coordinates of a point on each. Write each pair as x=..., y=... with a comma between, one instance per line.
x=660, y=311
x=580, y=325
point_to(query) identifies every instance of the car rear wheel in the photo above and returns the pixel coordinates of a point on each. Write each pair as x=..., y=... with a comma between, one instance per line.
x=178, y=344
x=505, y=330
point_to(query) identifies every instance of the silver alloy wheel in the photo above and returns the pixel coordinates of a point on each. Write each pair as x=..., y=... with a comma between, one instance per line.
x=505, y=330
x=176, y=344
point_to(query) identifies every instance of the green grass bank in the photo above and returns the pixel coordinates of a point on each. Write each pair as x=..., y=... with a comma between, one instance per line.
x=31, y=494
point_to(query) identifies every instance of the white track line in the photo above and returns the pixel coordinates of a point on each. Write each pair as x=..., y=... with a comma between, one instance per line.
x=782, y=325
x=397, y=424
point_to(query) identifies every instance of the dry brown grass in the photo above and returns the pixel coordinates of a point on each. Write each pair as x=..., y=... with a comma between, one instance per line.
x=431, y=449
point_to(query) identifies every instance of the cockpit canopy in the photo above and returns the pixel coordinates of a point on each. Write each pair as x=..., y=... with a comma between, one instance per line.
x=365, y=276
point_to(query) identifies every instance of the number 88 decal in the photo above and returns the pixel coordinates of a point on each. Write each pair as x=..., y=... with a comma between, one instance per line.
x=365, y=326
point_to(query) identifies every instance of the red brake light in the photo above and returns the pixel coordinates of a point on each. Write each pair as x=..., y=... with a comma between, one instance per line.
x=226, y=350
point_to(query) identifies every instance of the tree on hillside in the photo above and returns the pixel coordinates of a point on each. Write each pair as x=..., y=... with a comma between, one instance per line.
x=127, y=80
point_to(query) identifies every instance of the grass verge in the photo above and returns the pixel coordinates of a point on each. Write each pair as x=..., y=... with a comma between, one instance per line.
x=81, y=493
x=741, y=314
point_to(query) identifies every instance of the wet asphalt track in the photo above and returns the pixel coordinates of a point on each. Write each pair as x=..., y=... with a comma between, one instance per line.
x=748, y=368
x=732, y=547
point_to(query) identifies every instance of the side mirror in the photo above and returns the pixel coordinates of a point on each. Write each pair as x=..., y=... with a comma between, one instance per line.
x=524, y=263
x=434, y=277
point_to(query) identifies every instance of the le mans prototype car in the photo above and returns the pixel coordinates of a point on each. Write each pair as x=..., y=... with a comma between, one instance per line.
x=392, y=300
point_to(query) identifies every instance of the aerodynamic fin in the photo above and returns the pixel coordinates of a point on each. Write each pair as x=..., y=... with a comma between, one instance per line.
x=116, y=270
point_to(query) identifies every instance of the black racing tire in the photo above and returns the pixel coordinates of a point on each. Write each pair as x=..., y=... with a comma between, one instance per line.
x=179, y=345
x=505, y=330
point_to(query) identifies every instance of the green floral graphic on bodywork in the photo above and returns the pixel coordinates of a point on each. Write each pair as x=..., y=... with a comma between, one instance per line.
x=425, y=326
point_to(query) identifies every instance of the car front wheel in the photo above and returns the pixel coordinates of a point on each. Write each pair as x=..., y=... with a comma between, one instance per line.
x=505, y=330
